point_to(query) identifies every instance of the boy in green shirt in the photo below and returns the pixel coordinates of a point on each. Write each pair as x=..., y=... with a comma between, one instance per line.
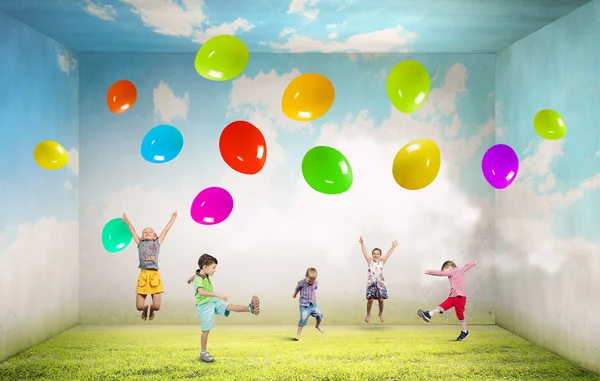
x=209, y=303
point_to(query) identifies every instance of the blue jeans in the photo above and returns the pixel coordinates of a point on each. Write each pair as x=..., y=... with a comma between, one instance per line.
x=310, y=310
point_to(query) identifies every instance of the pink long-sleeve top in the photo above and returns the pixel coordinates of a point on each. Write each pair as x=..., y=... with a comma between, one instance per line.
x=456, y=277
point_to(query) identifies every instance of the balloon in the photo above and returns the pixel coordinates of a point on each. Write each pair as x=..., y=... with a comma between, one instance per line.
x=307, y=97
x=50, y=155
x=408, y=86
x=121, y=96
x=416, y=164
x=500, y=166
x=115, y=235
x=162, y=144
x=549, y=125
x=326, y=170
x=222, y=58
x=211, y=206
x=243, y=147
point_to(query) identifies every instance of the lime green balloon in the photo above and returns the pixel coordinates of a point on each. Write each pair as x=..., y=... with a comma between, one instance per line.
x=408, y=86
x=549, y=125
x=222, y=58
x=115, y=235
x=327, y=170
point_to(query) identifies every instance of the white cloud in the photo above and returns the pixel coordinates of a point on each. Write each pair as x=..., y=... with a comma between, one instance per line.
x=68, y=185
x=66, y=61
x=73, y=163
x=167, y=106
x=388, y=40
x=184, y=18
x=539, y=163
x=334, y=28
x=305, y=8
x=346, y=4
x=39, y=279
x=103, y=12
x=548, y=185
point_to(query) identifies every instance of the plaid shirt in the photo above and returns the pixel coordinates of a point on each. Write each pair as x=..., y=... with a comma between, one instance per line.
x=456, y=277
x=308, y=292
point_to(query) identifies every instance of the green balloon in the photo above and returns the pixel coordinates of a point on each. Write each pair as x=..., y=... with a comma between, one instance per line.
x=222, y=58
x=326, y=170
x=115, y=235
x=408, y=86
x=549, y=125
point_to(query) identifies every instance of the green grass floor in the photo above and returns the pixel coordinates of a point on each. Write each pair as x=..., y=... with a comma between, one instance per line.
x=368, y=352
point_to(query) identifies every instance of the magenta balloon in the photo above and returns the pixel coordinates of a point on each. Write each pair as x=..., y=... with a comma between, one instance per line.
x=500, y=166
x=211, y=206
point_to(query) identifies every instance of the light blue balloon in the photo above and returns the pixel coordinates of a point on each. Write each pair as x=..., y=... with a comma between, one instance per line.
x=162, y=144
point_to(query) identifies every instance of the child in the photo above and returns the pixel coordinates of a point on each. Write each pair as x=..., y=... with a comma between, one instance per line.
x=307, y=288
x=376, y=288
x=457, y=298
x=209, y=303
x=149, y=282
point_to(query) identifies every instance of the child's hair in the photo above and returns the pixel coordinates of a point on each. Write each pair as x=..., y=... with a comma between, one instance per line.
x=311, y=273
x=378, y=249
x=448, y=264
x=206, y=260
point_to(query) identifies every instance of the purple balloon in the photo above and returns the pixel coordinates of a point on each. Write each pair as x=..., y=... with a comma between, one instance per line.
x=211, y=206
x=500, y=166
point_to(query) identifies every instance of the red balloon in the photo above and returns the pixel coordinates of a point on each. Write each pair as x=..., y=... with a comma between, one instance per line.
x=243, y=147
x=121, y=96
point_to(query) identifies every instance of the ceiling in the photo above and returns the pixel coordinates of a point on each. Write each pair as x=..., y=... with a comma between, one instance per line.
x=289, y=26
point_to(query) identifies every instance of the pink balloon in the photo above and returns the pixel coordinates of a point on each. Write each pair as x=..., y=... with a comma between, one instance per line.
x=211, y=206
x=500, y=166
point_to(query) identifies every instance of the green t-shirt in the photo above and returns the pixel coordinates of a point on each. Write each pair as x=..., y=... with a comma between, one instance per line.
x=204, y=283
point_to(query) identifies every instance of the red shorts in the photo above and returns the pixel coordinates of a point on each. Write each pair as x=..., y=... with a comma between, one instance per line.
x=458, y=302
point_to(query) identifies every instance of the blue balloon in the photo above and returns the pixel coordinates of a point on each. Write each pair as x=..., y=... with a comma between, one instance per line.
x=162, y=144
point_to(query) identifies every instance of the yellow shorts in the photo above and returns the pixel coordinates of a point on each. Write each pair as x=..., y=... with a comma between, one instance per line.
x=149, y=283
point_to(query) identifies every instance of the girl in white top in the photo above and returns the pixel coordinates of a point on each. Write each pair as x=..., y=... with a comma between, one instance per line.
x=376, y=281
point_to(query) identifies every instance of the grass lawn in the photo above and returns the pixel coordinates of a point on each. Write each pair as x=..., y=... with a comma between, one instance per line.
x=368, y=352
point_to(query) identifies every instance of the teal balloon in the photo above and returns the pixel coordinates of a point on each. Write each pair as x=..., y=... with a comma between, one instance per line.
x=115, y=235
x=327, y=170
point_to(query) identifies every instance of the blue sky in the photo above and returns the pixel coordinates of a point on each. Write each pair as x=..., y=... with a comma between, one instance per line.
x=433, y=26
x=39, y=102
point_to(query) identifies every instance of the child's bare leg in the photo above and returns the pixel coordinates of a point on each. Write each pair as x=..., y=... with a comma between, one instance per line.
x=299, y=332
x=204, y=340
x=156, y=299
x=237, y=308
x=318, y=326
x=369, y=305
x=140, y=300
x=463, y=325
x=380, y=300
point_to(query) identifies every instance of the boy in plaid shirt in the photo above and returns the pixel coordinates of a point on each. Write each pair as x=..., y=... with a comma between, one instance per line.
x=307, y=288
x=457, y=297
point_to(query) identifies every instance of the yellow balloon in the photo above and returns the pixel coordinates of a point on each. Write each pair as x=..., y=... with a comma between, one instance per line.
x=50, y=155
x=307, y=97
x=417, y=164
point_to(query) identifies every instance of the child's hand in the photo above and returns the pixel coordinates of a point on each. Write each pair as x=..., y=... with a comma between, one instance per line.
x=294, y=296
x=360, y=240
x=222, y=297
x=394, y=243
x=174, y=215
x=125, y=217
x=189, y=281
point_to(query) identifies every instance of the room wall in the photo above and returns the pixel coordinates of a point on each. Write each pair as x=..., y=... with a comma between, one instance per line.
x=548, y=247
x=39, y=234
x=280, y=226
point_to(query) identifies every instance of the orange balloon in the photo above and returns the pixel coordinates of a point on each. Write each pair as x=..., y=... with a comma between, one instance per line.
x=307, y=97
x=243, y=147
x=121, y=96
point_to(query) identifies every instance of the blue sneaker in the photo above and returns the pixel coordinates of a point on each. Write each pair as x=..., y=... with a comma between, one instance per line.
x=462, y=336
x=424, y=315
